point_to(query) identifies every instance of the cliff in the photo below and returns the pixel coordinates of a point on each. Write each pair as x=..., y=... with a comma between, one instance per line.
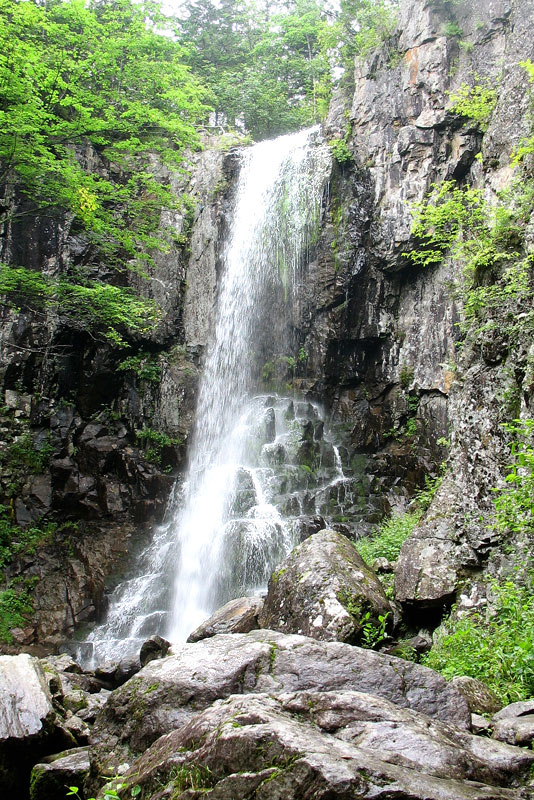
x=383, y=349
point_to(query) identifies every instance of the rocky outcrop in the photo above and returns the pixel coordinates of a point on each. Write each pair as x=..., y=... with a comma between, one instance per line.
x=89, y=433
x=167, y=693
x=382, y=334
x=325, y=590
x=324, y=745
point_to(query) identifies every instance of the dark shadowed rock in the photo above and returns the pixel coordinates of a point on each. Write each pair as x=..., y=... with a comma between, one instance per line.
x=237, y=616
x=154, y=647
x=324, y=589
x=327, y=745
x=51, y=777
x=168, y=692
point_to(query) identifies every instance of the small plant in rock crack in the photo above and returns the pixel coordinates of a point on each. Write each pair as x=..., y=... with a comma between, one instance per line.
x=110, y=792
x=373, y=633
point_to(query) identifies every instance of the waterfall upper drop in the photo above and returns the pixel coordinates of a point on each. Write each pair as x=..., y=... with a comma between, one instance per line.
x=256, y=462
x=277, y=211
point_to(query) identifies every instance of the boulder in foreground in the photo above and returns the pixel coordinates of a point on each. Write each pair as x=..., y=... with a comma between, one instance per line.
x=326, y=745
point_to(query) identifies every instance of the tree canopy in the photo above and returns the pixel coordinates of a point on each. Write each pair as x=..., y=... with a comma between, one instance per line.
x=72, y=73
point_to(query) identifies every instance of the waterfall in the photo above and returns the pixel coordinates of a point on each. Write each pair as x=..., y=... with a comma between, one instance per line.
x=277, y=206
x=247, y=483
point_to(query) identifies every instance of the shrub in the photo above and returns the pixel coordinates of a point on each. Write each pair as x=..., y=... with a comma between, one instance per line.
x=389, y=538
x=14, y=608
x=492, y=646
x=476, y=102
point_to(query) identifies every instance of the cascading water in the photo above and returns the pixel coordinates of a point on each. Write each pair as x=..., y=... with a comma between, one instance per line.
x=256, y=462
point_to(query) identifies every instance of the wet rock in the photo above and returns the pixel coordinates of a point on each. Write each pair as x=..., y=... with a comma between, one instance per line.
x=327, y=745
x=51, y=777
x=480, y=698
x=237, y=616
x=514, y=724
x=166, y=693
x=308, y=525
x=324, y=589
x=154, y=647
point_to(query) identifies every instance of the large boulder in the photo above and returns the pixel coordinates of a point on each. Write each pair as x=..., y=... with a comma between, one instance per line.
x=28, y=727
x=237, y=616
x=325, y=745
x=324, y=589
x=166, y=693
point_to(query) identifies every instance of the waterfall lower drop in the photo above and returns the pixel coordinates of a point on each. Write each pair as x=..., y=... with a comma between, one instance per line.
x=257, y=462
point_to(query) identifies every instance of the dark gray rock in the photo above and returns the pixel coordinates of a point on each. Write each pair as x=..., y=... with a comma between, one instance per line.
x=236, y=616
x=327, y=745
x=324, y=589
x=154, y=647
x=51, y=777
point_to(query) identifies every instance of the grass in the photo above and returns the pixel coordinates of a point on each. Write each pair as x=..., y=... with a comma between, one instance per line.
x=494, y=645
x=389, y=539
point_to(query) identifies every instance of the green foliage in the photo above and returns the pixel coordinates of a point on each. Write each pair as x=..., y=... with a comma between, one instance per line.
x=340, y=151
x=100, y=72
x=361, y=27
x=195, y=777
x=453, y=30
x=102, y=309
x=476, y=102
x=424, y=496
x=24, y=453
x=373, y=633
x=145, y=366
x=14, y=610
x=514, y=503
x=438, y=221
x=265, y=65
x=406, y=375
x=489, y=241
x=526, y=147
x=493, y=646
x=389, y=538
x=154, y=443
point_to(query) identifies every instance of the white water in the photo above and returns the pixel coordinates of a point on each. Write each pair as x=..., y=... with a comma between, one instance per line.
x=278, y=201
x=229, y=527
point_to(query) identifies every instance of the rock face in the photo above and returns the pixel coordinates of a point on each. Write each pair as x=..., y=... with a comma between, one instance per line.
x=167, y=693
x=326, y=745
x=324, y=589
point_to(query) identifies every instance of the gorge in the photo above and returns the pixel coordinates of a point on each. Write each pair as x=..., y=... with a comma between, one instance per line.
x=345, y=339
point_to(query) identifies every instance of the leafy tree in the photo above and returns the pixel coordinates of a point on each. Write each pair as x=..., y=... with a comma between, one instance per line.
x=72, y=73
x=265, y=64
